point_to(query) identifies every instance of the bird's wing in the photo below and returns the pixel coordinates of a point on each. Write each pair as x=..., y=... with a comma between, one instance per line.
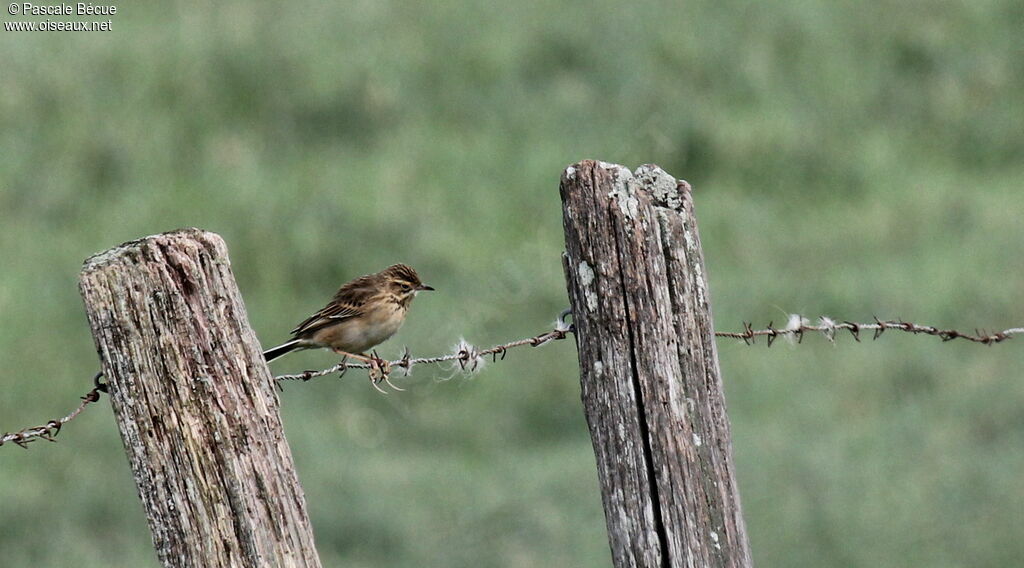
x=332, y=314
x=347, y=303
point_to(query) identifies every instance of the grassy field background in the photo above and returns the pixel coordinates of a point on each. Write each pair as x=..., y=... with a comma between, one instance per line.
x=848, y=159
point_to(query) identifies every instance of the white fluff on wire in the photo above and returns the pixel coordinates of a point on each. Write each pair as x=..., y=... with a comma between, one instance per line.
x=465, y=360
x=795, y=323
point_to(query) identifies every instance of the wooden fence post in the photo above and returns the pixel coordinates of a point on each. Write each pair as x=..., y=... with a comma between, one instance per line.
x=196, y=405
x=652, y=391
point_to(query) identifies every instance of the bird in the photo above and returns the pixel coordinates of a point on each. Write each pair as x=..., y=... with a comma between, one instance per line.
x=363, y=313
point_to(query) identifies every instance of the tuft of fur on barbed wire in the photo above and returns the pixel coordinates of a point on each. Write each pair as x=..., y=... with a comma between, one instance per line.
x=797, y=325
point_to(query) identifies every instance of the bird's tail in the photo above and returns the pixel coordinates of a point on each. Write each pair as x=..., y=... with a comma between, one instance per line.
x=275, y=352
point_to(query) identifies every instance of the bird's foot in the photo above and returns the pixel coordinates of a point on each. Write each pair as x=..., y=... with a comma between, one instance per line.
x=380, y=371
x=380, y=368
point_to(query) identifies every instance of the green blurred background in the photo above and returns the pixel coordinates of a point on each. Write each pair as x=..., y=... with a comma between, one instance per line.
x=849, y=159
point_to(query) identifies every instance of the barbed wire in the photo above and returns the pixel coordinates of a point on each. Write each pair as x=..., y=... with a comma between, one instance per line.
x=797, y=325
x=50, y=430
x=468, y=357
x=471, y=359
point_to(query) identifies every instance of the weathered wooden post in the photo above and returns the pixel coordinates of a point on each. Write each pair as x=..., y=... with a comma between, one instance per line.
x=196, y=405
x=652, y=391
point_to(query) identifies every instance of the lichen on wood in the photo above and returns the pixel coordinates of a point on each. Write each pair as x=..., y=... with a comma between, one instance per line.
x=649, y=372
x=195, y=404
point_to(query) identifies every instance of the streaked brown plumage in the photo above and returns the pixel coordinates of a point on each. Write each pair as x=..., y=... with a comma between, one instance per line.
x=363, y=313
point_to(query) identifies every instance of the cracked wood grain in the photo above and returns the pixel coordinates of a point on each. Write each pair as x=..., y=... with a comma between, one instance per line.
x=651, y=385
x=196, y=405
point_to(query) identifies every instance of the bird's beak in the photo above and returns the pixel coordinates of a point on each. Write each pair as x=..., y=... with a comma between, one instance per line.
x=425, y=287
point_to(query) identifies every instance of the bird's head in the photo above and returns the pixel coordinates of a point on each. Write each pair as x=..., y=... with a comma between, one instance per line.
x=404, y=282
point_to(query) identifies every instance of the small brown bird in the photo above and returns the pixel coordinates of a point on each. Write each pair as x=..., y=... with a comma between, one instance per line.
x=363, y=313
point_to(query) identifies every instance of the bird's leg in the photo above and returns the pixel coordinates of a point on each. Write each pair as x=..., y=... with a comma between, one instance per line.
x=376, y=368
x=361, y=357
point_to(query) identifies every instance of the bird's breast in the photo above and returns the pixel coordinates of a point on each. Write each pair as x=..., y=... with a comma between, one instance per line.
x=385, y=320
x=359, y=334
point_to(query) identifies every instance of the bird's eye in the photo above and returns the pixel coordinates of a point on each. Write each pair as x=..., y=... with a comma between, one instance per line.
x=406, y=287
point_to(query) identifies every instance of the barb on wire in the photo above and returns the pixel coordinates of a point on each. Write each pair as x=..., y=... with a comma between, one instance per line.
x=827, y=327
x=467, y=356
x=50, y=430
